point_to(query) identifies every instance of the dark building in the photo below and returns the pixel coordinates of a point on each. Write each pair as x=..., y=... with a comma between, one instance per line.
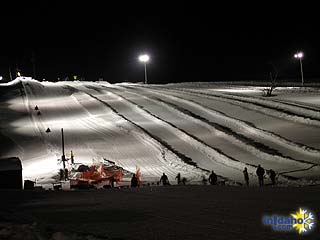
x=10, y=173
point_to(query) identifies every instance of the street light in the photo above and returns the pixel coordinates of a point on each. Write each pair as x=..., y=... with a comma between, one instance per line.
x=144, y=59
x=299, y=55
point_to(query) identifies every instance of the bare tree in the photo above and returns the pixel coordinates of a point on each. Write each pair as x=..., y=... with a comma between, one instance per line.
x=267, y=92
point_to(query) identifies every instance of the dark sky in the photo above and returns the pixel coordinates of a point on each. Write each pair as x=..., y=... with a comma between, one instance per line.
x=186, y=42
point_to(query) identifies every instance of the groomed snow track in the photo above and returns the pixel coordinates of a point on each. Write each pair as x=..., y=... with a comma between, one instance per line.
x=162, y=128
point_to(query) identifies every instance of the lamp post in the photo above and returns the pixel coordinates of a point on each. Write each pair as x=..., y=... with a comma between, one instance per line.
x=144, y=59
x=299, y=55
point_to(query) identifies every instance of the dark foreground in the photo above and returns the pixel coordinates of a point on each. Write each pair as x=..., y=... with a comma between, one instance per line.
x=175, y=212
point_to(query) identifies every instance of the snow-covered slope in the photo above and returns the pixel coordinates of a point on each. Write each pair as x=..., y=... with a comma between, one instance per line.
x=162, y=128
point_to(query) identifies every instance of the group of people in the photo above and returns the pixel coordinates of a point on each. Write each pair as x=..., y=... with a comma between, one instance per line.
x=181, y=180
x=260, y=173
x=213, y=178
x=164, y=180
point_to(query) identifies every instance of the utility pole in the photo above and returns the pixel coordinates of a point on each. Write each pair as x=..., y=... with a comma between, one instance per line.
x=145, y=73
x=301, y=69
x=10, y=75
x=63, y=158
x=300, y=55
x=144, y=59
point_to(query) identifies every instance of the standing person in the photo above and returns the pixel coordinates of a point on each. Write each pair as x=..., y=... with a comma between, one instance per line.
x=164, y=179
x=246, y=176
x=134, y=181
x=213, y=178
x=178, y=177
x=260, y=173
x=72, y=157
x=112, y=180
x=272, y=175
x=184, y=180
x=138, y=176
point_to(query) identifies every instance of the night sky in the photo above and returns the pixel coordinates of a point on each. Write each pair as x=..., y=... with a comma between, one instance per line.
x=186, y=42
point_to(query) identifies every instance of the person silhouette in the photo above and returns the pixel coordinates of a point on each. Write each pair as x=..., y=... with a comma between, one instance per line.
x=260, y=173
x=164, y=179
x=272, y=175
x=178, y=177
x=246, y=176
x=184, y=181
x=134, y=181
x=213, y=178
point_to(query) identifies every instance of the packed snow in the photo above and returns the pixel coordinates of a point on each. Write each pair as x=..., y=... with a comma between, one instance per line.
x=190, y=129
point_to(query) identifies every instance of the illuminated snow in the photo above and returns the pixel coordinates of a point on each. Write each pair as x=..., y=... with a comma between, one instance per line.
x=128, y=124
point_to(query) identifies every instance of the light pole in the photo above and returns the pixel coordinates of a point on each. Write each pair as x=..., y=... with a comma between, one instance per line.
x=299, y=55
x=144, y=59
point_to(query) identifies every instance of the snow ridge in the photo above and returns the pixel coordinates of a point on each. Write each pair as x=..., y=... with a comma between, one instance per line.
x=274, y=109
x=211, y=152
x=167, y=151
x=245, y=127
x=259, y=150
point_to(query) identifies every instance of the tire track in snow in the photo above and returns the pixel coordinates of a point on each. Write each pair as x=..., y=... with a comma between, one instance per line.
x=200, y=146
x=302, y=166
x=311, y=117
x=291, y=107
x=213, y=153
x=283, y=178
x=27, y=94
x=241, y=165
x=243, y=126
x=296, y=104
x=281, y=105
x=301, y=180
x=102, y=130
x=52, y=143
x=248, y=144
x=184, y=164
x=168, y=159
x=5, y=132
x=38, y=122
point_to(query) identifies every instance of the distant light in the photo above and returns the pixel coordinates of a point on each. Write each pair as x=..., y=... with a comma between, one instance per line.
x=1, y=78
x=299, y=55
x=144, y=58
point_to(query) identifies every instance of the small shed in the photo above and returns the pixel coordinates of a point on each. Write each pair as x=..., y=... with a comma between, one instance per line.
x=10, y=173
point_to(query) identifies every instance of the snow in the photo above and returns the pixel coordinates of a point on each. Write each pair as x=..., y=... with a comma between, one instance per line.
x=188, y=128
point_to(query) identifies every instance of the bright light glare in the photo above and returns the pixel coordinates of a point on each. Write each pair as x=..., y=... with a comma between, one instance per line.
x=144, y=58
x=299, y=55
x=1, y=78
